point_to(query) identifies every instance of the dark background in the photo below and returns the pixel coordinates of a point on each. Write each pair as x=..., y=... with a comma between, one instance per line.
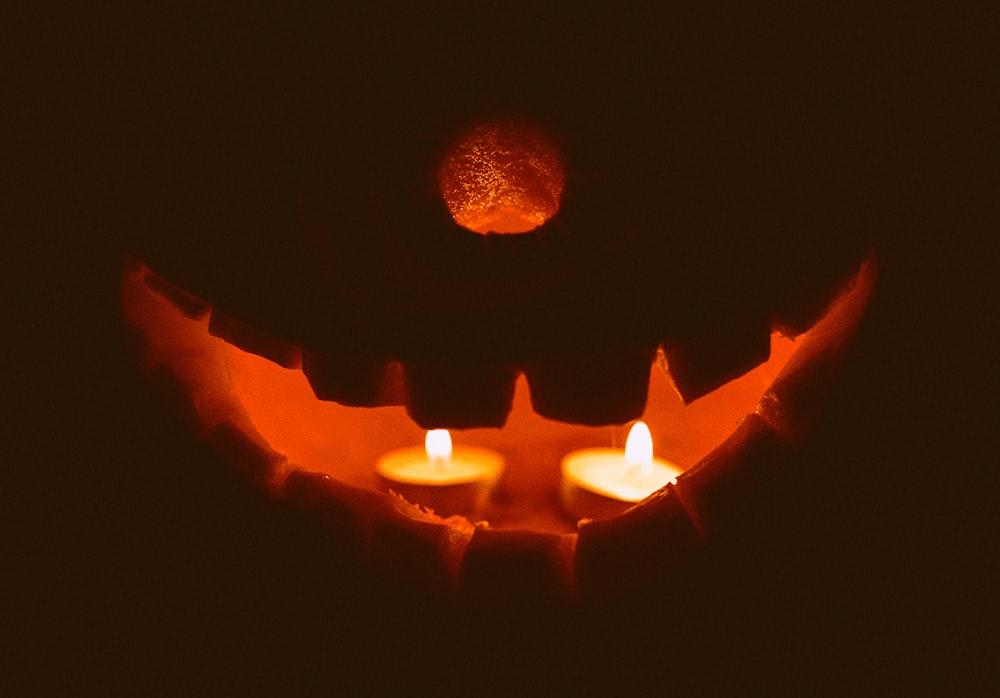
x=140, y=564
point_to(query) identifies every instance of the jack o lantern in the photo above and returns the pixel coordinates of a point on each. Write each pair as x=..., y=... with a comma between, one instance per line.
x=533, y=272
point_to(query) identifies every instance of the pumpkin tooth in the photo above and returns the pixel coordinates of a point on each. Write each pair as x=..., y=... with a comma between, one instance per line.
x=517, y=568
x=249, y=338
x=353, y=380
x=613, y=555
x=700, y=365
x=458, y=397
x=608, y=387
x=725, y=483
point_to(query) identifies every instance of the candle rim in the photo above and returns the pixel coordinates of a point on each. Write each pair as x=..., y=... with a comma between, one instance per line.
x=571, y=472
x=492, y=461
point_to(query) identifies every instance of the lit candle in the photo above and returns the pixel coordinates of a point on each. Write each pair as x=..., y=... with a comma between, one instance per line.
x=602, y=482
x=449, y=480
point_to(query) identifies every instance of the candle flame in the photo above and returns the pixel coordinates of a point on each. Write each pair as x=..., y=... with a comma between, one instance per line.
x=438, y=444
x=639, y=448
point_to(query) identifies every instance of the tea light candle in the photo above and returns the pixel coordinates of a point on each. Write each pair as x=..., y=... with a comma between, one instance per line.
x=599, y=483
x=449, y=480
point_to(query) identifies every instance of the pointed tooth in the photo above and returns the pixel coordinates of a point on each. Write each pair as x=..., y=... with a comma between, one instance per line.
x=595, y=389
x=724, y=484
x=458, y=396
x=517, y=568
x=700, y=365
x=253, y=340
x=352, y=380
x=636, y=551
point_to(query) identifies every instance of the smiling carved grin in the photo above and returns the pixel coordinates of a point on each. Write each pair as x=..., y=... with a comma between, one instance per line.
x=265, y=419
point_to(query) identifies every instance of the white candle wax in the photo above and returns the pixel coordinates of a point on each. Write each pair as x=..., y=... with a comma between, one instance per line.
x=449, y=480
x=602, y=482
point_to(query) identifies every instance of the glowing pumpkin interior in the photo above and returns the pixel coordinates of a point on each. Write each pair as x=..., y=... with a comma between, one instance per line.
x=266, y=418
x=344, y=442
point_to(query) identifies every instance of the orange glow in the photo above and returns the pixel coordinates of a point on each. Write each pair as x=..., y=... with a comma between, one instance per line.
x=325, y=457
x=503, y=178
x=345, y=441
x=275, y=410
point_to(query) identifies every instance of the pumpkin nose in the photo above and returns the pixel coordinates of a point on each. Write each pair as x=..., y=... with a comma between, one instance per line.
x=504, y=177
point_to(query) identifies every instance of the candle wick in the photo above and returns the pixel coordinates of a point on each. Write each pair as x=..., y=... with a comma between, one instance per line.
x=635, y=469
x=440, y=463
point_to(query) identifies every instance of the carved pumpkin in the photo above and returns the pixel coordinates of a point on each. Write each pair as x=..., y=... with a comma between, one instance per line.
x=674, y=248
x=870, y=553
x=391, y=341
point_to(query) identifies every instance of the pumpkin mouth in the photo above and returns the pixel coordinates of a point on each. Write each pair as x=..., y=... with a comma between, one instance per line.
x=729, y=439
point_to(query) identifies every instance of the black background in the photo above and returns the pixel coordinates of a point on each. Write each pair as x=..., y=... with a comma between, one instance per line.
x=140, y=564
